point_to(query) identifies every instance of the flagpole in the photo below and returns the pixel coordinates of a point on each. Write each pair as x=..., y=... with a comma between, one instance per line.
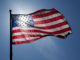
x=10, y=11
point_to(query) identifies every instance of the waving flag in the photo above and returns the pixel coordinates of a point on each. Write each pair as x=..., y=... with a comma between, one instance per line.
x=44, y=22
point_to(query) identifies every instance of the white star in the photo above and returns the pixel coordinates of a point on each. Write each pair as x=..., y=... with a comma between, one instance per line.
x=23, y=20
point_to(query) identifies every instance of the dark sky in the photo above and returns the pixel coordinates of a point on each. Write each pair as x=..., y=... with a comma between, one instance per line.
x=47, y=48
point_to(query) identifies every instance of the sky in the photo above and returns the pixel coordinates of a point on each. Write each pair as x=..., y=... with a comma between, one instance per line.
x=47, y=48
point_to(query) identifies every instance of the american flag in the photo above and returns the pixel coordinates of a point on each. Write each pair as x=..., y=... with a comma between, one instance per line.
x=41, y=23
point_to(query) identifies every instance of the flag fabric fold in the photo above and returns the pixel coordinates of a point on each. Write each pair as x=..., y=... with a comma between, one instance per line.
x=41, y=23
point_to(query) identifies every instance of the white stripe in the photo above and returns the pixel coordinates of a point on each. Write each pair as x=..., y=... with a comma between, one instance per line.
x=47, y=17
x=25, y=39
x=49, y=24
x=65, y=33
x=39, y=13
x=47, y=30
x=23, y=33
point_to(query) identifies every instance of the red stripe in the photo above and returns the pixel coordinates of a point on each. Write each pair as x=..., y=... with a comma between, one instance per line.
x=23, y=36
x=56, y=32
x=28, y=41
x=18, y=30
x=61, y=31
x=49, y=20
x=41, y=10
x=53, y=26
x=44, y=15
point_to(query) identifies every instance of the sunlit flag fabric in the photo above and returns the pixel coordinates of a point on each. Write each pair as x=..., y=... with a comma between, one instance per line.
x=41, y=23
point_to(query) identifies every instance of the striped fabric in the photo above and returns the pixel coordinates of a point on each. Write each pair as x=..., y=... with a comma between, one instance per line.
x=46, y=22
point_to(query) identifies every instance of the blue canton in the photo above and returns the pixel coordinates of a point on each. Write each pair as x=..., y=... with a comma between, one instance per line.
x=22, y=20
